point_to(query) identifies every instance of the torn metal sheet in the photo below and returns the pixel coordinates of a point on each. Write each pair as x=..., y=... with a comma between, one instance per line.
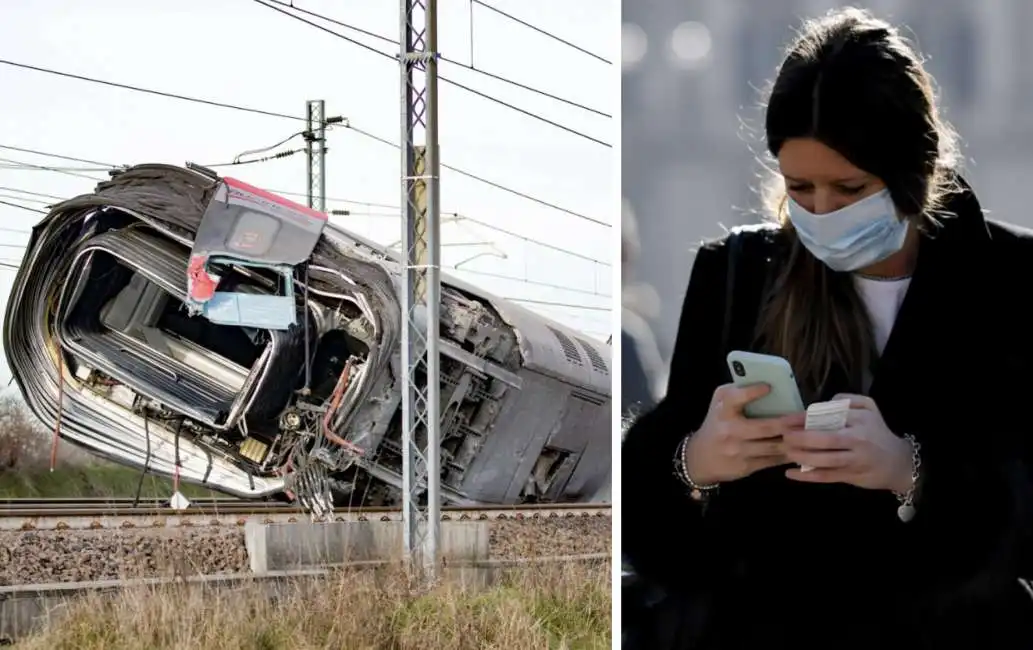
x=247, y=226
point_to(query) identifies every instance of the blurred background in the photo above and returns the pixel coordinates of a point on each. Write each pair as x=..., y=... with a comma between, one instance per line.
x=692, y=130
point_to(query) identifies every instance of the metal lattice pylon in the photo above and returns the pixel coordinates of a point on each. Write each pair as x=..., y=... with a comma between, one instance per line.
x=315, y=148
x=421, y=288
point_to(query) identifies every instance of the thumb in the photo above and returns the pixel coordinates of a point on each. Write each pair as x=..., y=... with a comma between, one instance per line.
x=740, y=396
x=857, y=401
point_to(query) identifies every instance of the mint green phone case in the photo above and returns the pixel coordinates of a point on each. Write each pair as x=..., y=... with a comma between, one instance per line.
x=752, y=368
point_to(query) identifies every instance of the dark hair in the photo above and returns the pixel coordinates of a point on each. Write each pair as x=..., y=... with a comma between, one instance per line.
x=851, y=82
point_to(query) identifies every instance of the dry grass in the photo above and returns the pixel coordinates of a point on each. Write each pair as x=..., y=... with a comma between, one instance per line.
x=555, y=607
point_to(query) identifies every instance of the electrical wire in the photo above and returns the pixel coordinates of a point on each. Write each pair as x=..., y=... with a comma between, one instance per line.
x=445, y=59
x=29, y=167
x=21, y=191
x=483, y=224
x=149, y=91
x=251, y=152
x=499, y=276
x=367, y=134
x=537, y=283
x=385, y=206
x=23, y=207
x=333, y=199
x=541, y=31
x=441, y=78
x=51, y=155
x=538, y=242
x=20, y=166
x=27, y=199
x=25, y=165
x=276, y=156
x=491, y=183
x=16, y=230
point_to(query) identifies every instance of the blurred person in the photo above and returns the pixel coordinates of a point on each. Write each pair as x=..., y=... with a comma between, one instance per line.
x=642, y=371
x=880, y=281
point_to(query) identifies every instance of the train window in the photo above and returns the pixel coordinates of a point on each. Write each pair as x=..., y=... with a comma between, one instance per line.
x=253, y=233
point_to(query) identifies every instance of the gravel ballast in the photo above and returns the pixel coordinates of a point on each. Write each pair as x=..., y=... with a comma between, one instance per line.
x=84, y=555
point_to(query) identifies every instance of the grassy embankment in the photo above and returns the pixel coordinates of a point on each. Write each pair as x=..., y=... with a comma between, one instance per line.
x=93, y=480
x=536, y=609
x=25, y=465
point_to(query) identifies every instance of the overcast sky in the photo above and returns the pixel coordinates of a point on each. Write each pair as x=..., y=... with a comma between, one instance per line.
x=240, y=52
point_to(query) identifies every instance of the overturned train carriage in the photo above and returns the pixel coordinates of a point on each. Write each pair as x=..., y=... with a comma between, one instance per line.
x=195, y=326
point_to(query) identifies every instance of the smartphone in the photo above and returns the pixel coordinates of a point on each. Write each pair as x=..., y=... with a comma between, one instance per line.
x=752, y=368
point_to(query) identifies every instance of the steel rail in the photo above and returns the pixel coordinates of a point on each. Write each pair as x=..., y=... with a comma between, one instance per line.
x=91, y=515
x=19, y=502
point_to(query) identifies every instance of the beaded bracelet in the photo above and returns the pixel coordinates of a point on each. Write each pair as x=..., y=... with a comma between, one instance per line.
x=696, y=491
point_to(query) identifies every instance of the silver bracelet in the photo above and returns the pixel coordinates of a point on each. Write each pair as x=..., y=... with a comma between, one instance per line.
x=906, y=510
x=697, y=491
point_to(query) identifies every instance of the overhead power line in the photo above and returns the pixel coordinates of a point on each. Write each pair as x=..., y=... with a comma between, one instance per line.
x=468, y=66
x=108, y=167
x=58, y=170
x=23, y=166
x=276, y=156
x=486, y=181
x=284, y=154
x=484, y=224
x=53, y=155
x=27, y=199
x=296, y=134
x=22, y=207
x=536, y=283
x=21, y=191
x=395, y=213
x=541, y=31
x=149, y=91
x=538, y=242
x=246, y=109
x=441, y=78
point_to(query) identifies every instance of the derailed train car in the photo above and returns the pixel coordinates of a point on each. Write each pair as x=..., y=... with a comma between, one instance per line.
x=194, y=326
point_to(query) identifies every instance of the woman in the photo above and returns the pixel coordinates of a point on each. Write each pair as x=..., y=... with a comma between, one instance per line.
x=882, y=282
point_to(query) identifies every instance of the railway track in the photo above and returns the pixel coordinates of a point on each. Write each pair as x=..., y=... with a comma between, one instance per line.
x=103, y=514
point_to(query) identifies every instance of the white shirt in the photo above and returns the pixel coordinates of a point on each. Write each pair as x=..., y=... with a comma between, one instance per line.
x=883, y=299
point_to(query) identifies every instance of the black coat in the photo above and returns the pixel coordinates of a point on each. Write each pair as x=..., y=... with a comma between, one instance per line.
x=635, y=384
x=774, y=563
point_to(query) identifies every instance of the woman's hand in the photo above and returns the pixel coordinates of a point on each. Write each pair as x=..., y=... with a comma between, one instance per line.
x=865, y=453
x=730, y=446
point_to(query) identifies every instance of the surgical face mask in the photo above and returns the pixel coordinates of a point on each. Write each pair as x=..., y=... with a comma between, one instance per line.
x=851, y=238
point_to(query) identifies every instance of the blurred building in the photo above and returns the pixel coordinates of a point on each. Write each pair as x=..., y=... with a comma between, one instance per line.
x=692, y=129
